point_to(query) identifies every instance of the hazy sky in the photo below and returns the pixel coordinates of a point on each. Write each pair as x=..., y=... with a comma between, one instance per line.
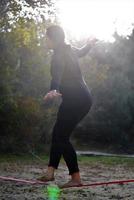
x=82, y=18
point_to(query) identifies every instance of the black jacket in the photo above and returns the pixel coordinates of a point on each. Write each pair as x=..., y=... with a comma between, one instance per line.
x=65, y=71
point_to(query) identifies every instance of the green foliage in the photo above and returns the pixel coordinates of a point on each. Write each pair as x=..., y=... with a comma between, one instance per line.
x=25, y=78
x=19, y=122
x=110, y=121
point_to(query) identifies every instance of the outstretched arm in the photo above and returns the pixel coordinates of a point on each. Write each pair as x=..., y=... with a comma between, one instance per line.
x=84, y=50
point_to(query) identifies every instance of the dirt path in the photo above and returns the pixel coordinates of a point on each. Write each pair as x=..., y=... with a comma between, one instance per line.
x=90, y=173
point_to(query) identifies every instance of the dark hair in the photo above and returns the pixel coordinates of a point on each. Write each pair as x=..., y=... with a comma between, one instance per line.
x=56, y=34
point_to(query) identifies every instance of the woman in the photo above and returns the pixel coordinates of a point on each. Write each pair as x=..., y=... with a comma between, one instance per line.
x=68, y=83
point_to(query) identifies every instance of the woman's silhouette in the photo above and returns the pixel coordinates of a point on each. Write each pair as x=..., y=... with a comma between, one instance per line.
x=67, y=81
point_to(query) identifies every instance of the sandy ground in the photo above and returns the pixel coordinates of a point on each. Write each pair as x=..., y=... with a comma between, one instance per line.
x=90, y=173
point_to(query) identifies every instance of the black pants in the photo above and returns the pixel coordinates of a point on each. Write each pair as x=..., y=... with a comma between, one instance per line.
x=70, y=113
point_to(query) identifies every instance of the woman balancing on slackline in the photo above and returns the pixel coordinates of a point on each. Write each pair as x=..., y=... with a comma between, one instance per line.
x=67, y=82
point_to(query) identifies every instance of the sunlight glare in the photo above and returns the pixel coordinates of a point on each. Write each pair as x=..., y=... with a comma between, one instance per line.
x=99, y=18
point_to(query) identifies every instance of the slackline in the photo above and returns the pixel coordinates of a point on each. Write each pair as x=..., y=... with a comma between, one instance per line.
x=36, y=182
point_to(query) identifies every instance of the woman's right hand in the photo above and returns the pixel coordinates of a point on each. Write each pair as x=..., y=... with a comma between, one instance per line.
x=51, y=95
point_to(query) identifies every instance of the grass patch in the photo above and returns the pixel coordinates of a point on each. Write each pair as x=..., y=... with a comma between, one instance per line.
x=22, y=158
x=92, y=160
x=106, y=160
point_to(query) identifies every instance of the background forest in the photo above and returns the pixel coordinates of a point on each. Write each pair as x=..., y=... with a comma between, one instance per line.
x=25, y=121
